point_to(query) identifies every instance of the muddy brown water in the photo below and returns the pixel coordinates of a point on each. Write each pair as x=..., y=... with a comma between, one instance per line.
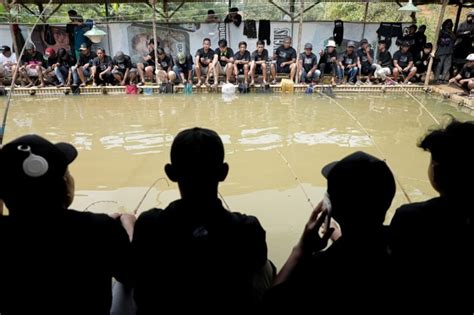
x=124, y=142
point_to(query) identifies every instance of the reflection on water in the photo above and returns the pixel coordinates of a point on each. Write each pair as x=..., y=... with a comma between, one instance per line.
x=124, y=143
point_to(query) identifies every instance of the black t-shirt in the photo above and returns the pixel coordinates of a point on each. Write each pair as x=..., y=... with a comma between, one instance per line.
x=199, y=257
x=32, y=59
x=83, y=59
x=244, y=57
x=209, y=55
x=467, y=72
x=123, y=65
x=432, y=245
x=151, y=61
x=420, y=41
x=263, y=56
x=326, y=58
x=285, y=54
x=348, y=59
x=186, y=66
x=67, y=62
x=51, y=61
x=385, y=59
x=331, y=281
x=61, y=263
x=362, y=55
x=228, y=53
x=403, y=59
x=411, y=39
x=308, y=61
x=166, y=62
x=102, y=64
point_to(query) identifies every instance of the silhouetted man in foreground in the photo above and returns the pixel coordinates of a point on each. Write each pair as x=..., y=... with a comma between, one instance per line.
x=432, y=242
x=195, y=253
x=349, y=277
x=54, y=260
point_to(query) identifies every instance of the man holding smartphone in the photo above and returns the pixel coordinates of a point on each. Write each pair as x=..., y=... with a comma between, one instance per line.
x=361, y=188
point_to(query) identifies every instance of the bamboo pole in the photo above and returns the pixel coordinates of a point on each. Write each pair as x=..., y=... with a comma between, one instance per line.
x=435, y=46
x=300, y=34
x=155, y=40
x=365, y=18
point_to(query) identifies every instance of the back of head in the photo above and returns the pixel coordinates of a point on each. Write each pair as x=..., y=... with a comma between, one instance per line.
x=361, y=188
x=33, y=171
x=452, y=149
x=197, y=156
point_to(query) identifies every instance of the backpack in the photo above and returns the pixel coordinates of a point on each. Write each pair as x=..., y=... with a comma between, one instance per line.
x=243, y=88
x=167, y=88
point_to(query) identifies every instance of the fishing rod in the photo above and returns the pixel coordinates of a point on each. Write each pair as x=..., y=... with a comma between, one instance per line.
x=12, y=85
x=371, y=139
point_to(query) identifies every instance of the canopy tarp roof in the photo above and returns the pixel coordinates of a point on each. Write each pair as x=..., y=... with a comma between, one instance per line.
x=416, y=2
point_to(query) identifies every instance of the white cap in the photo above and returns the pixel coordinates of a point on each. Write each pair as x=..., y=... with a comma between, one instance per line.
x=331, y=43
x=470, y=57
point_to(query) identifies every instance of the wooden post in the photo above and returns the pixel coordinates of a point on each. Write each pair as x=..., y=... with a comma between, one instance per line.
x=155, y=40
x=107, y=14
x=435, y=43
x=365, y=18
x=458, y=16
x=292, y=16
x=12, y=31
x=300, y=35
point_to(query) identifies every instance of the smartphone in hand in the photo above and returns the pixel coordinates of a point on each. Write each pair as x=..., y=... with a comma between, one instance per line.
x=328, y=207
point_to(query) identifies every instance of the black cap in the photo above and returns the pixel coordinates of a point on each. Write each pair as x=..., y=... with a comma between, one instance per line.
x=58, y=156
x=234, y=9
x=4, y=48
x=405, y=44
x=362, y=176
x=364, y=41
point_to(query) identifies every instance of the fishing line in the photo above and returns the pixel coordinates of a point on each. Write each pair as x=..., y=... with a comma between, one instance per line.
x=297, y=179
x=12, y=85
x=373, y=141
x=100, y=201
x=419, y=102
x=148, y=191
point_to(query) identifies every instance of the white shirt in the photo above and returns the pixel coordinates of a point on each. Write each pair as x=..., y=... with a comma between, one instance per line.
x=7, y=61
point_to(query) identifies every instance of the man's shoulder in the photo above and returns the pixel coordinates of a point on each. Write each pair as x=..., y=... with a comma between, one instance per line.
x=88, y=218
x=418, y=210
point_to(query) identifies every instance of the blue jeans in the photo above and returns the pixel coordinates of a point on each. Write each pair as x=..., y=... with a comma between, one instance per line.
x=61, y=73
x=75, y=76
x=314, y=76
x=178, y=72
x=351, y=73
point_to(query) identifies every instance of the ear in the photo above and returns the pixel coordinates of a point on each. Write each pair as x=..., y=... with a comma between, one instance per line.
x=171, y=172
x=223, y=172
